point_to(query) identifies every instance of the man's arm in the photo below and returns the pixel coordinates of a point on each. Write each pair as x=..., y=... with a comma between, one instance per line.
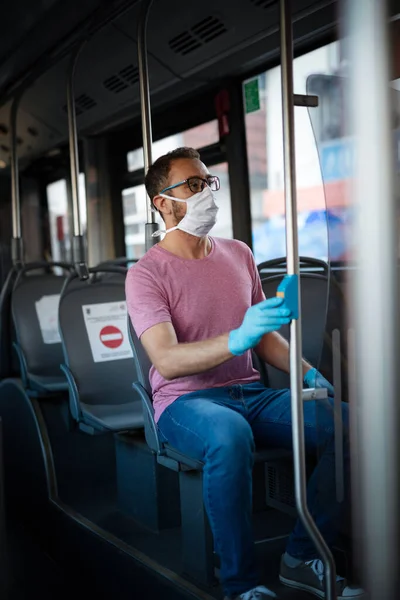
x=173, y=360
x=274, y=350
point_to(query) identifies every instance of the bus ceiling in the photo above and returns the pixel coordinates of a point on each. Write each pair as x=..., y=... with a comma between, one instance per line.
x=190, y=54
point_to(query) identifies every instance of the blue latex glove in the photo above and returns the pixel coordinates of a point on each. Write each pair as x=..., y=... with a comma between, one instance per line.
x=261, y=318
x=314, y=379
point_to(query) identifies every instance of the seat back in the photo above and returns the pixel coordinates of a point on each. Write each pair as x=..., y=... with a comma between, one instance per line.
x=337, y=317
x=6, y=263
x=279, y=265
x=142, y=361
x=9, y=366
x=259, y=366
x=121, y=261
x=314, y=302
x=34, y=306
x=142, y=388
x=96, y=349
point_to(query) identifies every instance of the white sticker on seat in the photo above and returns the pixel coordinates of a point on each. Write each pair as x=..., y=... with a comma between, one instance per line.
x=47, y=314
x=107, y=329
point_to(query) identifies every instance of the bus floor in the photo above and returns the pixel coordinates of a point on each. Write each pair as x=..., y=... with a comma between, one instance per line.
x=164, y=547
x=31, y=573
x=34, y=574
x=91, y=491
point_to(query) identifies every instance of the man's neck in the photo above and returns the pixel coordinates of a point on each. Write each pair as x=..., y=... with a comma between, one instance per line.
x=185, y=245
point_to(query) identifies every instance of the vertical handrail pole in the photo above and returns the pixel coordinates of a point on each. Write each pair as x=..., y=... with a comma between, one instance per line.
x=4, y=561
x=296, y=379
x=151, y=225
x=78, y=242
x=16, y=241
x=375, y=296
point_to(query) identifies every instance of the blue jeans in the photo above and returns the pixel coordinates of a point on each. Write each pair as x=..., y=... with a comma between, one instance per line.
x=221, y=427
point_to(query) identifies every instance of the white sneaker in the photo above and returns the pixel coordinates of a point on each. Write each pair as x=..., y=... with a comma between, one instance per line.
x=257, y=593
x=310, y=576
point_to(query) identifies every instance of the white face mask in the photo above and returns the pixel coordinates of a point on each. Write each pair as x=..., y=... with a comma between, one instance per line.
x=201, y=214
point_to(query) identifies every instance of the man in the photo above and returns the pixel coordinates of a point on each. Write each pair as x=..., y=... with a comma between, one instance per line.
x=198, y=307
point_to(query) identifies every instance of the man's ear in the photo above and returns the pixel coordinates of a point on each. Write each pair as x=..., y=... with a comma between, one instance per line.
x=162, y=205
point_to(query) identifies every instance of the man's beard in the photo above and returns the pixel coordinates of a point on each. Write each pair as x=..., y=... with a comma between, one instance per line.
x=177, y=213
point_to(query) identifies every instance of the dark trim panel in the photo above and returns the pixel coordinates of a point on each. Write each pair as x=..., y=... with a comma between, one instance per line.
x=70, y=524
x=239, y=181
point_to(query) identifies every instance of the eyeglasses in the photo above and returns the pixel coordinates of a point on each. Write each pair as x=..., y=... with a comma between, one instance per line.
x=196, y=184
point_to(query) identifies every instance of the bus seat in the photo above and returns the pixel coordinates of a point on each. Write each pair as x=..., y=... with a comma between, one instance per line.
x=323, y=311
x=314, y=304
x=34, y=302
x=98, y=366
x=143, y=389
x=197, y=544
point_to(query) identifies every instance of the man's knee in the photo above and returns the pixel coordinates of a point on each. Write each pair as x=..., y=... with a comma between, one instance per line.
x=232, y=439
x=330, y=423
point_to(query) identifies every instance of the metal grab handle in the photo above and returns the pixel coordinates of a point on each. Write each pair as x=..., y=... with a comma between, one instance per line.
x=16, y=242
x=73, y=145
x=120, y=261
x=151, y=225
x=78, y=244
x=295, y=325
x=4, y=561
x=39, y=265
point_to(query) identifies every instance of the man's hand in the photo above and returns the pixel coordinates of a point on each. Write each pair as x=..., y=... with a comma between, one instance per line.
x=265, y=317
x=314, y=379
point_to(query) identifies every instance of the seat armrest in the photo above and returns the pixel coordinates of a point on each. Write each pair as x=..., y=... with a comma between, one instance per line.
x=74, y=403
x=150, y=426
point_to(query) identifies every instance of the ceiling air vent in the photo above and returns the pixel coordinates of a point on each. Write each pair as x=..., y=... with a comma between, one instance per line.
x=83, y=103
x=263, y=3
x=124, y=79
x=201, y=33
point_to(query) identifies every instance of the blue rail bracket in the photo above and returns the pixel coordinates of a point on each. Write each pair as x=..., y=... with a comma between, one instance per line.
x=288, y=289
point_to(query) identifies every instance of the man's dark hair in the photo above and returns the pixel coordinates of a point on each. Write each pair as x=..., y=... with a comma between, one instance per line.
x=157, y=175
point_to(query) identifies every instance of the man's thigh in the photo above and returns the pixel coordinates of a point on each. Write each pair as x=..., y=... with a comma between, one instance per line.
x=271, y=421
x=192, y=426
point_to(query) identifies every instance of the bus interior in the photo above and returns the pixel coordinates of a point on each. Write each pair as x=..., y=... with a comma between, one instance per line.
x=95, y=504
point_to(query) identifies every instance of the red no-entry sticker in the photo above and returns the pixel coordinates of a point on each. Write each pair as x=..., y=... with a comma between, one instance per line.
x=111, y=336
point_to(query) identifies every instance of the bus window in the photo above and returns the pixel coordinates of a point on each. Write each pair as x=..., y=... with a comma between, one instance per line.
x=57, y=200
x=223, y=226
x=197, y=137
x=58, y=218
x=334, y=139
x=134, y=209
x=265, y=152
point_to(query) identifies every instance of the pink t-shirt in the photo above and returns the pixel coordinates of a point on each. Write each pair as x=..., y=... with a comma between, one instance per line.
x=202, y=299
